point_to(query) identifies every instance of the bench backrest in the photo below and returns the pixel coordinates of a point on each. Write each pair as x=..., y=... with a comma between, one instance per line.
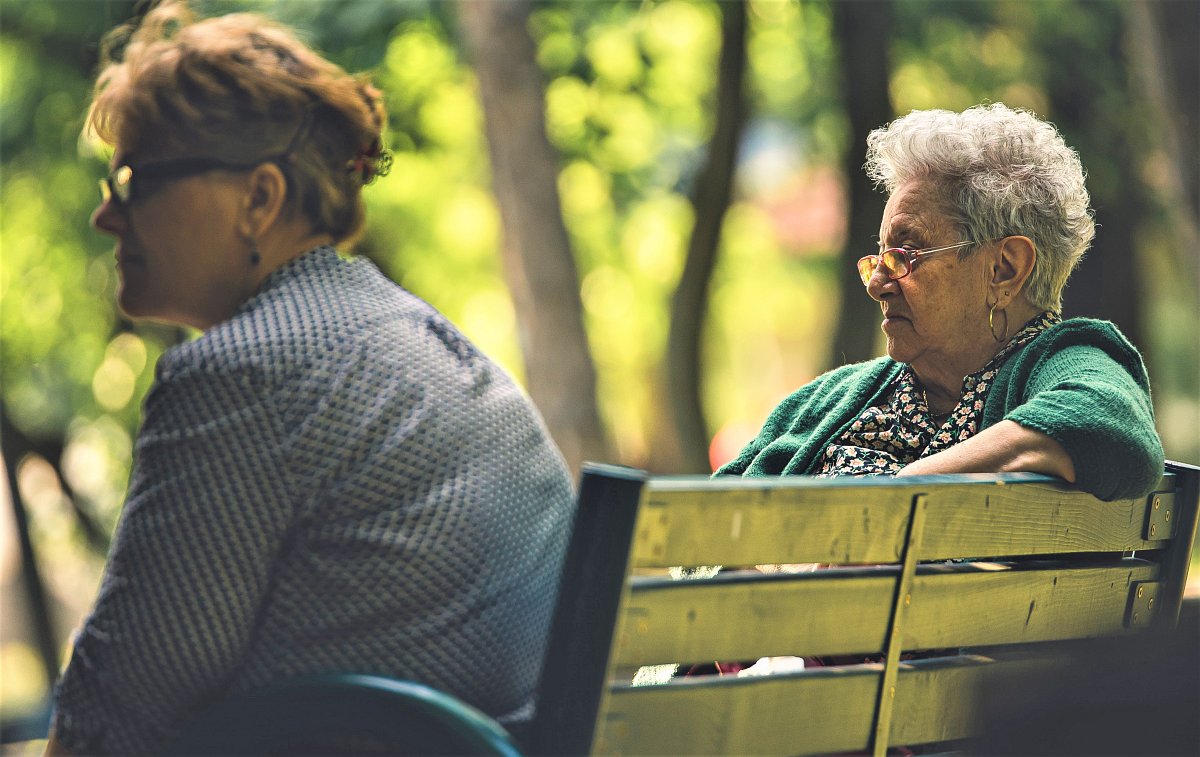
x=1004, y=565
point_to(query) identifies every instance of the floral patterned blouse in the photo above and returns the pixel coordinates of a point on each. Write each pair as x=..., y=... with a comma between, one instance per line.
x=887, y=437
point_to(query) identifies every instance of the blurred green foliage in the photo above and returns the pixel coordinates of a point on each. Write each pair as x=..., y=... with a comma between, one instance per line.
x=629, y=96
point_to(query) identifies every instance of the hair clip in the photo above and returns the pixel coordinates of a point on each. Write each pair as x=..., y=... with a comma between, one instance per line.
x=371, y=163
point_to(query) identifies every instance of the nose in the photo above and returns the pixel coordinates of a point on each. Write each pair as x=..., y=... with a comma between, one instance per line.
x=879, y=285
x=109, y=217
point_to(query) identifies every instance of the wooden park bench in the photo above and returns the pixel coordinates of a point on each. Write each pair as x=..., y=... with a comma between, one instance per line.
x=942, y=597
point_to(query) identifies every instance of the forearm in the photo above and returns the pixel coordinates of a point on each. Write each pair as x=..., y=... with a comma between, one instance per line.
x=1006, y=447
x=206, y=515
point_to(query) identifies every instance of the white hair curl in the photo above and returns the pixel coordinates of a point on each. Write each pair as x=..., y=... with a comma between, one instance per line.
x=1001, y=172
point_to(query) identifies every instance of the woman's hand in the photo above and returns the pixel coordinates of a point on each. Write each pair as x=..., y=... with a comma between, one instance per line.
x=1006, y=447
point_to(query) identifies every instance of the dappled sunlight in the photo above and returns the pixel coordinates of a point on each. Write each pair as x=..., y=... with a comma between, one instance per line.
x=568, y=102
x=467, y=226
x=631, y=134
x=23, y=685
x=96, y=464
x=113, y=384
x=70, y=574
x=614, y=57
x=488, y=319
x=417, y=60
x=586, y=191
x=607, y=292
x=629, y=110
x=654, y=240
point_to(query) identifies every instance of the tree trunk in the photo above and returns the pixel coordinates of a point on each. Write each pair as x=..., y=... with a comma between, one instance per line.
x=710, y=200
x=862, y=30
x=538, y=263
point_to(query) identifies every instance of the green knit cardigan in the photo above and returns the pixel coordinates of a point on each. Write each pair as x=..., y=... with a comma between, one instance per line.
x=1080, y=382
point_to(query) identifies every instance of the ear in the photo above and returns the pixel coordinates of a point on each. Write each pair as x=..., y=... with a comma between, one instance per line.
x=263, y=204
x=1011, y=265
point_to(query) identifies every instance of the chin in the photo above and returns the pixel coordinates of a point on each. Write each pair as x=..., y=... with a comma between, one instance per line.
x=136, y=309
x=900, y=352
x=128, y=306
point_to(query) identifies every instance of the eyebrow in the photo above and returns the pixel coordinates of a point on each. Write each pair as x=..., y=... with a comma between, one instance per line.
x=907, y=229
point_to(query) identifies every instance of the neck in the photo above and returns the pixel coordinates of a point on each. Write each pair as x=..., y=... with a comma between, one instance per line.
x=283, y=245
x=939, y=399
x=942, y=377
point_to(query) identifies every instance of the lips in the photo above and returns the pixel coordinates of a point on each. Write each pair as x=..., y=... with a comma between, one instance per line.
x=125, y=259
x=891, y=321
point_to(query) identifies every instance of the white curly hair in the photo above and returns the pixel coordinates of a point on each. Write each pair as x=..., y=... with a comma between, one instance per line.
x=1000, y=172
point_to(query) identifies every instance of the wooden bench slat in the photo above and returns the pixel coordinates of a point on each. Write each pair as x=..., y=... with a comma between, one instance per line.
x=723, y=716
x=812, y=712
x=747, y=620
x=1020, y=521
x=984, y=609
x=689, y=521
x=743, y=526
x=747, y=617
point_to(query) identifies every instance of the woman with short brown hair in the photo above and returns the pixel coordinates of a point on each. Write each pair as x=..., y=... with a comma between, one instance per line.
x=331, y=478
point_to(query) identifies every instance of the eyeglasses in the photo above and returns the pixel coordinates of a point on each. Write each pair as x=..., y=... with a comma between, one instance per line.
x=897, y=262
x=119, y=184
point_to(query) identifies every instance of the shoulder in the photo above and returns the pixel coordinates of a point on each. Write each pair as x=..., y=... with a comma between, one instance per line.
x=320, y=309
x=1084, y=331
x=1083, y=343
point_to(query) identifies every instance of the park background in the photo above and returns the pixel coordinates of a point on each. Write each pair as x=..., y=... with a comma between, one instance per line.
x=648, y=212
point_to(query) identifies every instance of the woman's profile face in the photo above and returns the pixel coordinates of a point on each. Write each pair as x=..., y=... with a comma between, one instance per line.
x=179, y=255
x=936, y=316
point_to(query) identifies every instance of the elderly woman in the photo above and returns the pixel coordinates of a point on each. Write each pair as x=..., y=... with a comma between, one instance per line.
x=331, y=477
x=987, y=216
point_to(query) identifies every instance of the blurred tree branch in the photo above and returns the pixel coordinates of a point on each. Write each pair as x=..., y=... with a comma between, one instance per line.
x=44, y=638
x=710, y=199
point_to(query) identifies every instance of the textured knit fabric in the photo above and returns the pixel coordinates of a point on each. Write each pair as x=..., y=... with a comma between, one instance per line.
x=902, y=430
x=1080, y=382
x=332, y=480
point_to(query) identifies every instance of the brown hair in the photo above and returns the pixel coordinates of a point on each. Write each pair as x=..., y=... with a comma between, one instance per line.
x=242, y=88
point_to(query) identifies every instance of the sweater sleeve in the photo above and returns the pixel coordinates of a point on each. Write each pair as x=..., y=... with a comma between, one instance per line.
x=1092, y=396
x=206, y=514
x=784, y=415
x=799, y=429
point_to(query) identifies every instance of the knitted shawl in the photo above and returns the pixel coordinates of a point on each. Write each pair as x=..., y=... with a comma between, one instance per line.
x=1080, y=382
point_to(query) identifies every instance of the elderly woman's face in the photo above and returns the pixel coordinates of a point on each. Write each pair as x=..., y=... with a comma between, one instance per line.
x=935, y=318
x=178, y=252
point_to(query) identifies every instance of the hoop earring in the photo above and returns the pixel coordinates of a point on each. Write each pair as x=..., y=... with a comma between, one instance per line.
x=992, y=324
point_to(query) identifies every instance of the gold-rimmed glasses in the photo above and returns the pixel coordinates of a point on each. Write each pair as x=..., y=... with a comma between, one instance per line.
x=897, y=262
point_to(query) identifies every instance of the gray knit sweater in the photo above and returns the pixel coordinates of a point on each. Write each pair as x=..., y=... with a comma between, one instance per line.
x=332, y=480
